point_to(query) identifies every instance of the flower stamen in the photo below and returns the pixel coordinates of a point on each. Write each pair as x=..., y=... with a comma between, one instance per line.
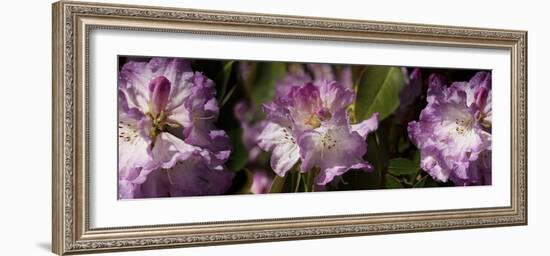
x=313, y=121
x=463, y=126
x=159, y=124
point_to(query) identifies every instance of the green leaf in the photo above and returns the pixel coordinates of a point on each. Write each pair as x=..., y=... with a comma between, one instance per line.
x=403, y=144
x=223, y=77
x=416, y=158
x=262, y=87
x=392, y=182
x=298, y=181
x=228, y=96
x=402, y=166
x=278, y=184
x=239, y=154
x=378, y=91
x=421, y=182
x=431, y=182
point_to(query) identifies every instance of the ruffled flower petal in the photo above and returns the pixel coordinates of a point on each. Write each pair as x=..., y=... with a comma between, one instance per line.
x=132, y=153
x=335, y=150
x=281, y=142
x=194, y=177
x=176, y=70
x=334, y=96
x=133, y=82
x=167, y=150
x=367, y=126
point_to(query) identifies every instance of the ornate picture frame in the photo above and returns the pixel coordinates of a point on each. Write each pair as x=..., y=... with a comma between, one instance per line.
x=72, y=25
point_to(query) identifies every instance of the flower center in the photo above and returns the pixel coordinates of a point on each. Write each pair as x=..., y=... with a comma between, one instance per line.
x=158, y=124
x=328, y=141
x=463, y=126
x=482, y=120
x=159, y=88
x=315, y=119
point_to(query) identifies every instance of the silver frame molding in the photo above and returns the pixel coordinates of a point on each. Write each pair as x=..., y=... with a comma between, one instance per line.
x=72, y=22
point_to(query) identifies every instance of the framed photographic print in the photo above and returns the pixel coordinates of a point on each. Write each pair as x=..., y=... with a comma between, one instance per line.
x=178, y=127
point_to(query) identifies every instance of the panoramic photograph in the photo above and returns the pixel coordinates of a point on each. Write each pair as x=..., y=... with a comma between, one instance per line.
x=206, y=127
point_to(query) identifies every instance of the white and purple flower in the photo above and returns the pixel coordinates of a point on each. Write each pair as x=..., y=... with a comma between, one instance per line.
x=166, y=131
x=454, y=131
x=310, y=124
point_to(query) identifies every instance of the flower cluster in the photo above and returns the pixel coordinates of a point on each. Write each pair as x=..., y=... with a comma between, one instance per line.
x=454, y=131
x=253, y=123
x=310, y=124
x=168, y=143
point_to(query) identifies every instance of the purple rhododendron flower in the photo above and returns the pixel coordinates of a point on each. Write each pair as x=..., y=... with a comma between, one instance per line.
x=166, y=131
x=311, y=124
x=454, y=131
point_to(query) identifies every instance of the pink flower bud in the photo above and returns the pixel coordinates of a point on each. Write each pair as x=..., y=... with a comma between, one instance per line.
x=160, y=91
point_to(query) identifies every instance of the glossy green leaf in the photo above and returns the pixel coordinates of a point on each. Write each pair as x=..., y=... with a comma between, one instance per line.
x=392, y=182
x=378, y=91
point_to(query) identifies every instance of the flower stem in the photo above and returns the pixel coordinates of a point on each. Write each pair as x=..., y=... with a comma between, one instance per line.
x=309, y=183
x=297, y=188
x=306, y=182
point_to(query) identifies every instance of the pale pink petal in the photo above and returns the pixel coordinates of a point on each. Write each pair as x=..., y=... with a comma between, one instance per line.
x=367, y=126
x=167, y=150
x=281, y=142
